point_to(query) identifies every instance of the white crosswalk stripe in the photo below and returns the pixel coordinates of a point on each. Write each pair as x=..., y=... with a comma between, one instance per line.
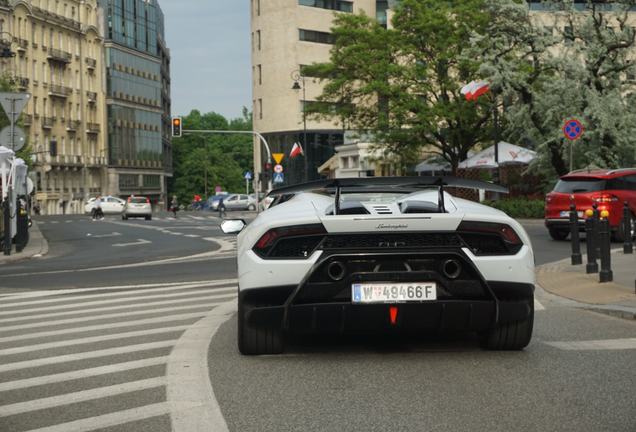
x=100, y=339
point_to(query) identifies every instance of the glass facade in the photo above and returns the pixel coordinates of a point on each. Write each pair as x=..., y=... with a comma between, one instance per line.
x=134, y=23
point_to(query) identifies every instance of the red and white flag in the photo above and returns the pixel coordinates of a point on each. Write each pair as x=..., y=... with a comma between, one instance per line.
x=474, y=89
x=296, y=150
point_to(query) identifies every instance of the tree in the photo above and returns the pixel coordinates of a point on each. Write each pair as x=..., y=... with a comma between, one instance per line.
x=403, y=84
x=573, y=66
x=223, y=159
x=7, y=84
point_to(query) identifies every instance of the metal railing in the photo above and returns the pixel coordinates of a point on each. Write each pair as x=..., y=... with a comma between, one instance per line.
x=91, y=62
x=27, y=119
x=59, y=90
x=93, y=127
x=59, y=55
x=47, y=122
x=92, y=96
x=73, y=125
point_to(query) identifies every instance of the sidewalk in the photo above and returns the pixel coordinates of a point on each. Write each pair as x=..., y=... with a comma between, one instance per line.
x=37, y=247
x=616, y=298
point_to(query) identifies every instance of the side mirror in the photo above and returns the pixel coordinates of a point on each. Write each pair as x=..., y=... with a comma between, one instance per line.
x=232, y=226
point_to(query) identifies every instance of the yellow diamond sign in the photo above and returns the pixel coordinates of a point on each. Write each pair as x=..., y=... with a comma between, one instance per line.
x=278, y=157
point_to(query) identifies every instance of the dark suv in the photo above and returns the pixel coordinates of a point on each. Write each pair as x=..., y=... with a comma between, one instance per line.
x=610, y=189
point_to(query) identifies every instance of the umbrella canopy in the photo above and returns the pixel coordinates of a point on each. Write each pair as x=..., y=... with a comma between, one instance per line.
x=508, y=154
x=436, y=164
x=5, y=153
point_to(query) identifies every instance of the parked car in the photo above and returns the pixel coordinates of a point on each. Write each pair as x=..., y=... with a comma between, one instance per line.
x=110, y=205
x=239, y=202
x=213, y=201
x=610, y=189
x=137, y=206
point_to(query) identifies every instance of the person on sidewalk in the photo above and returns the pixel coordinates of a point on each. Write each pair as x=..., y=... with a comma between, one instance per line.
x=221, y=208
x=174, y=206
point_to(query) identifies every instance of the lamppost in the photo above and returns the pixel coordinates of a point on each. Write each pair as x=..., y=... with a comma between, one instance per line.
x=298, y=77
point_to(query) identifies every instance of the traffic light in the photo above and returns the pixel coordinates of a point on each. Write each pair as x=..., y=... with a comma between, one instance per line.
x=176, y=126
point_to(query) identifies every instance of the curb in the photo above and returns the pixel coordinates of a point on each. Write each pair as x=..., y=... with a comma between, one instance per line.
x=614, y=312
x=32, y=250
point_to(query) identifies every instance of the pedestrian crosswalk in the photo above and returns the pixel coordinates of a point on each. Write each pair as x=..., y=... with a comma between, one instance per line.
x=92, y=358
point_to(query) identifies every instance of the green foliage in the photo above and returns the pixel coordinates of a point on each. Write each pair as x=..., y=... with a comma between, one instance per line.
x=547, y=75
x=519, y=208
x=224, y=157
x=403, y=84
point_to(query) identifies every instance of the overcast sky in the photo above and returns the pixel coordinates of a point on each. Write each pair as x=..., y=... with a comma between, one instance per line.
x=209, y=42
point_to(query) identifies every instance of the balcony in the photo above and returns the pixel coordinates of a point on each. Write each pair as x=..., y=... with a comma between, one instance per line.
x=91, y=63
x=21, y=82
x=27, y=119
x=47, y=122
x=73, y=125
x=92, y=96
x=59, y=56
x=59, y=91
x=93, y=128
x=59, y=19
x=22, y=44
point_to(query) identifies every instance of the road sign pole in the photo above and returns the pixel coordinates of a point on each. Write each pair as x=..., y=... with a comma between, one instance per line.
x=12, y=124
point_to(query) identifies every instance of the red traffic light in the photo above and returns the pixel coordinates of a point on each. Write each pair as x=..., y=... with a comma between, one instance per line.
x=268, y=166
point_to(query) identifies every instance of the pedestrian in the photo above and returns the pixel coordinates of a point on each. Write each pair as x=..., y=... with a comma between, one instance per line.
x=97, y=209
x=174, y=206
x=221, y=208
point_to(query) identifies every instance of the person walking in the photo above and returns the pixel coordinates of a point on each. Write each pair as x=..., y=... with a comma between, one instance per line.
x=221, y=208
x=174, y=206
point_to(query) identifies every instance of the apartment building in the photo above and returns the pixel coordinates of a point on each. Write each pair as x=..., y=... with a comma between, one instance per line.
x=286, y=36
x=59, y=61
x=138, y=99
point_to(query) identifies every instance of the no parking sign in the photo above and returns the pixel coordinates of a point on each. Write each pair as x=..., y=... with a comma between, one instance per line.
x=572, y=129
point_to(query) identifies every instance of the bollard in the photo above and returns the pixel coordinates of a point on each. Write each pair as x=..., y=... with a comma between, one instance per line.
x=592, y=265
x=605, y=275
x=628, y=247
x=574, y=233
x=596, y=215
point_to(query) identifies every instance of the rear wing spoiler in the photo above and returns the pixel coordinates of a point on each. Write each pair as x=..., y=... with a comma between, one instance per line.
x=360, y=184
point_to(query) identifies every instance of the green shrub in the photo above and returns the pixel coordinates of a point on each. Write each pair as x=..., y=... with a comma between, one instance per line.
x=519, y=208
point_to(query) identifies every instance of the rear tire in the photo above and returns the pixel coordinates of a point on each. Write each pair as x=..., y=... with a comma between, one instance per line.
x=558, y=234
x=251, y=207
x=619, y=235
x=254, y=340
x=512, y=336
x=148, y=217
x=124, y=217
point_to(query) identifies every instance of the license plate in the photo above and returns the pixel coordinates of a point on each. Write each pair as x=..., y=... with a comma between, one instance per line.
x=387, y=292
x=566, y=214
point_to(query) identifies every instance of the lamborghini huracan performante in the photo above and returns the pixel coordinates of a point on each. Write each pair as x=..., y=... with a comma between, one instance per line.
x=382, y=254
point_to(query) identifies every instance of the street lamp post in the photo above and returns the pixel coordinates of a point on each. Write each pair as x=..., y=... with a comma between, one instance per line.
x=298, y=77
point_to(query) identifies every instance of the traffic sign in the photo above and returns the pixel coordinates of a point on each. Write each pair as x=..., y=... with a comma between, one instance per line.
x=18, y=140
x=278, y=157
x=279, y=177
x=14, y=102
x=572, y=129
x=248, y=176
x=278, y=168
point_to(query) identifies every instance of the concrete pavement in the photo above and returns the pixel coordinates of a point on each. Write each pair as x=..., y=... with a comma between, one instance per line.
x=37, y=247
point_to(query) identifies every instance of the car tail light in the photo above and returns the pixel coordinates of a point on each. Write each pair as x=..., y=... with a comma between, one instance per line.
x=147, y=200
x=490, y=238
x=290, y=242
x=605, y=198
x=129, y=200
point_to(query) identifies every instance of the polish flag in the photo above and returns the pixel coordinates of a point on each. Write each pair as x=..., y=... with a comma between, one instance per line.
x=474, y=89
x=296, y=150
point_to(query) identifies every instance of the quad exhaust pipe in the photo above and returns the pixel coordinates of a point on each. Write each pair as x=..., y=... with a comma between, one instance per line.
x=451, y=268
x=336, y=270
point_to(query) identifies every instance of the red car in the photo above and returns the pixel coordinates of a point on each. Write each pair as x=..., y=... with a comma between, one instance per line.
x=610, y=189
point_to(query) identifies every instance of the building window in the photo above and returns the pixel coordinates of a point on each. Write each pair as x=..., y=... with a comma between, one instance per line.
x=152, y=181
x=316, y=36
x=260, y=108
x=128, y=181
x=260, y=74
x=258, y=39
x=258, y=7
x=338, y=5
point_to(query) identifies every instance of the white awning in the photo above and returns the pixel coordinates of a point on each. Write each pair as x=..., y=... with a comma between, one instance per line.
x=508, y=154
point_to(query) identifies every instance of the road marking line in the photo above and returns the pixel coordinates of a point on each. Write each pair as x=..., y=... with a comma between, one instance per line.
x=109, y=420
x=82, y=373
x=151, y=291
x=593, y=345
x=538, y=306
x=85, y=329
x=137, y=243
x=54, y=322
x=174, y=233
x=192, y=235
x=114, y=234
x=54, y=222
x=86, y=340
x=145, y=304
x=47, y=361
x=80, y=396
x=193, y=406
x=197, y=217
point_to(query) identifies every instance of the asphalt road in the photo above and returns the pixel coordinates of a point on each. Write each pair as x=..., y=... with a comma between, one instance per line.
x=107, y=349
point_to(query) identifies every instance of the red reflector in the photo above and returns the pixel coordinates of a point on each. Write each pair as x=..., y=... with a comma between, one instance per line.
x=393, y=313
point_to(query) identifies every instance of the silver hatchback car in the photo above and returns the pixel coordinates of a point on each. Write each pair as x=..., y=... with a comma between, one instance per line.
x=137, y=206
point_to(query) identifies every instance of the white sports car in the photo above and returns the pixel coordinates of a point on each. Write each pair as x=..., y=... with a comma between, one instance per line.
x=382, y=254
